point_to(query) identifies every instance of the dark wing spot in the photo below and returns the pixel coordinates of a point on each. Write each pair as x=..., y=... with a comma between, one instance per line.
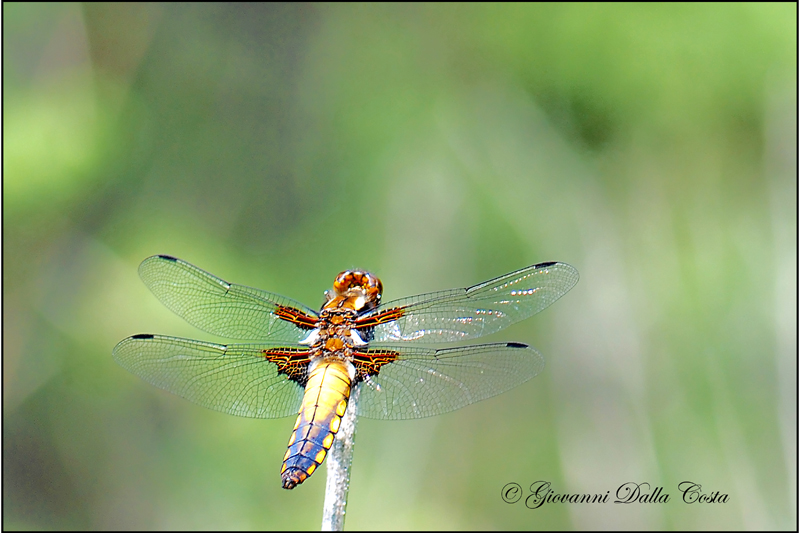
x=544, y=265
x=516, y=345
x=143, y=336
x=168, y=258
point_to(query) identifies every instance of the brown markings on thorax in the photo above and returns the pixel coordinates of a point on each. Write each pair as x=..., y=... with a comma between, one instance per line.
x=335, y=326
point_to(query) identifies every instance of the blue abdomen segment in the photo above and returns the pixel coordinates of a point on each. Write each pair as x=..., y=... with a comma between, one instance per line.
x=324, y=404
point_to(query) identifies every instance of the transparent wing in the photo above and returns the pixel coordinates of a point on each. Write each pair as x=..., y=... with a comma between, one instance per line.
x=221, y=308
x=460, y=314
x=421, y=382
x=239, y=379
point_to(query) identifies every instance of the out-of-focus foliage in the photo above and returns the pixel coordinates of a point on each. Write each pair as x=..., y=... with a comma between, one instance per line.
x=274, y=145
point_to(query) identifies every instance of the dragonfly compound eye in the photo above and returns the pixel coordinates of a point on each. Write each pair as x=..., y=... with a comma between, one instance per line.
x=358, y=279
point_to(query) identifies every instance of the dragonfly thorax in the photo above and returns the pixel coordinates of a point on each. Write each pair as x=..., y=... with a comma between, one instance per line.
x=335, y=335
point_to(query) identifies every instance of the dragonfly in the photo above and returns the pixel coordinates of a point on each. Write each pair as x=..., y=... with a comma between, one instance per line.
x=306, y=363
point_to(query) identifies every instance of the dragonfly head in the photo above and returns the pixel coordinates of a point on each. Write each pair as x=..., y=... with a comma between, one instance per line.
x=354, y=289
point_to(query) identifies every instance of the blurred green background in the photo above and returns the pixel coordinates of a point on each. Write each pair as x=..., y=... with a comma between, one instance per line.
x=651, y=146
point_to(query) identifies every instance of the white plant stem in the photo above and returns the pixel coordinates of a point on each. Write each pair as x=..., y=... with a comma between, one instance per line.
x=339, y=460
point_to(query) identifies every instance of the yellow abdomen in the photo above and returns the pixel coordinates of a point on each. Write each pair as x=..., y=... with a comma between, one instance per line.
x=324, y=404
